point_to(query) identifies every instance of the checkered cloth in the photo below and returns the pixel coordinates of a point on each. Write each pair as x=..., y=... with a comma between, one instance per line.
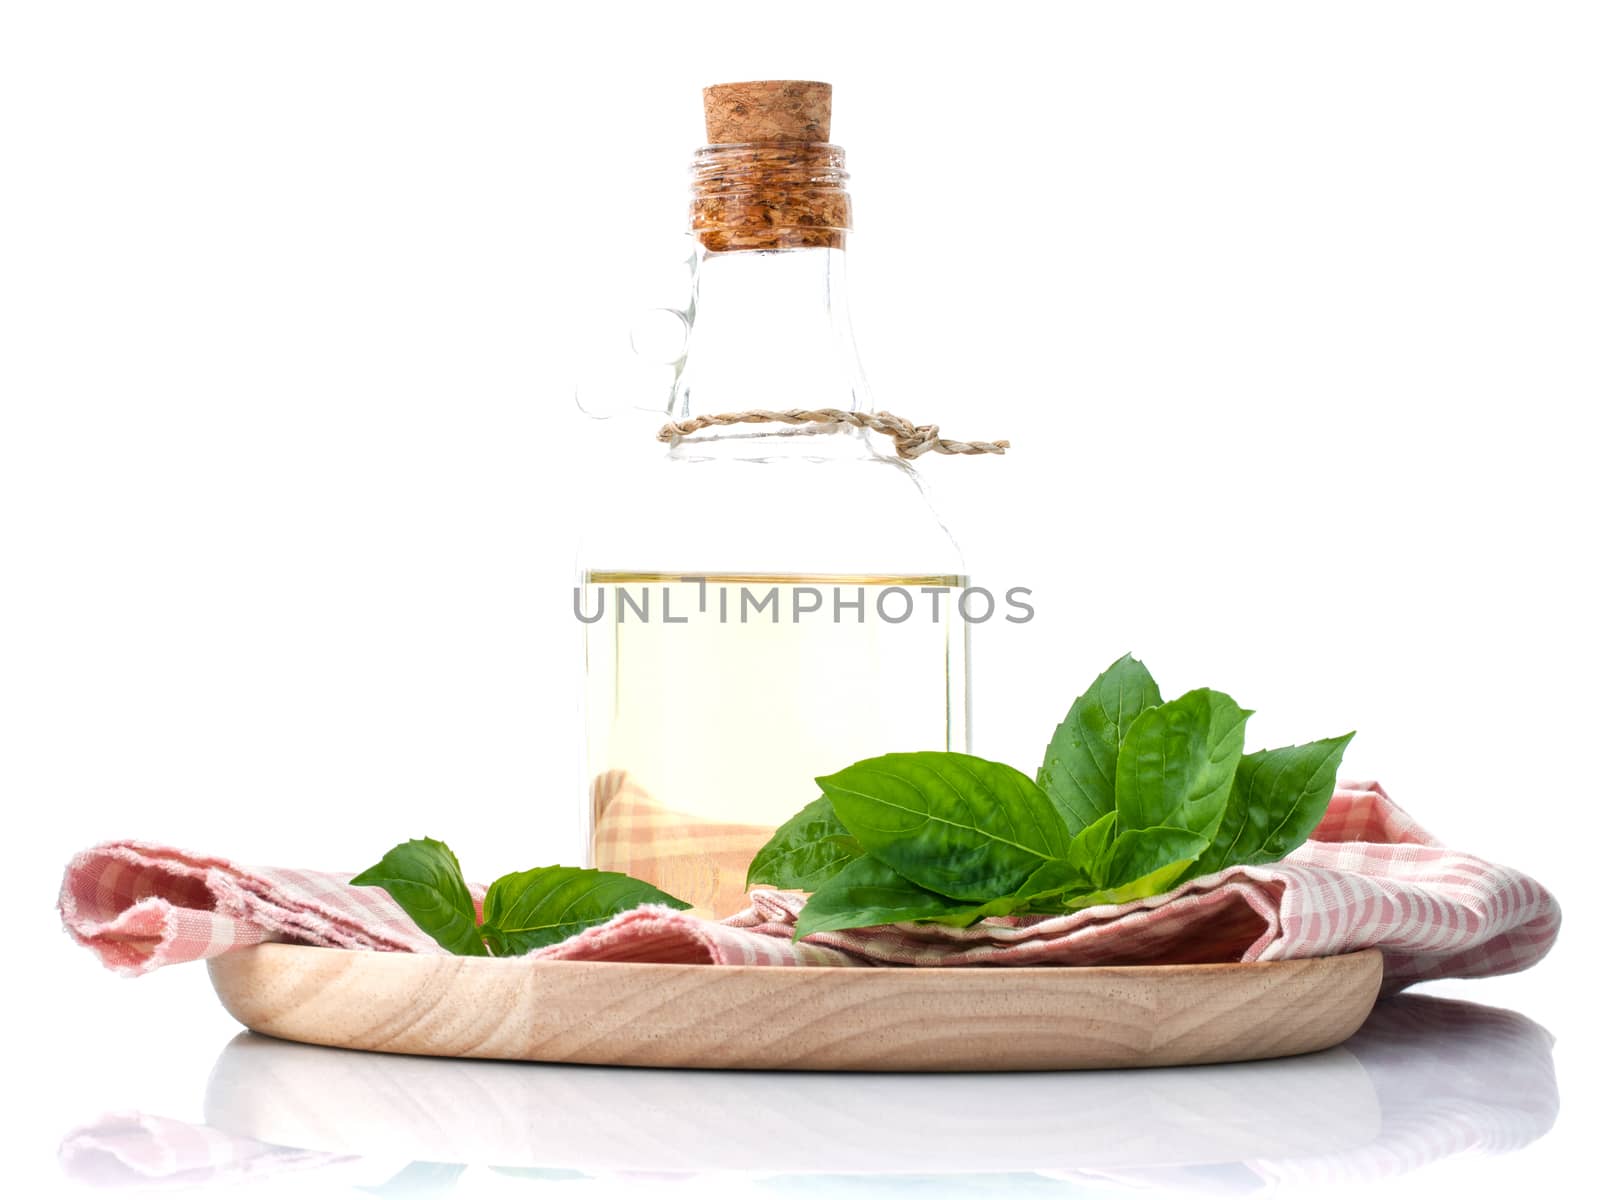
x=1369, y=877
x=702, y=862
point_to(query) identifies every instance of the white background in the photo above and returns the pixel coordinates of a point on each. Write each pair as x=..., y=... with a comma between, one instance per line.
x=1289, y=311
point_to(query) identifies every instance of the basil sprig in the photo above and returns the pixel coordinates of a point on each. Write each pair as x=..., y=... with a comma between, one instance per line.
x=521, y=912
x=1134, y=797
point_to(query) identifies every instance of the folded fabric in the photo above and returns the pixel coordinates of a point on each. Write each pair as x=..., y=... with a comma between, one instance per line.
x=1370, y=876
x=701, y=861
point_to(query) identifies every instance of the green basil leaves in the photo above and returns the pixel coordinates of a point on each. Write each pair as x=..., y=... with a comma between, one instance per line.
x=957, y=825
x=521, y=912
x=1135, y=796
x=425, y=879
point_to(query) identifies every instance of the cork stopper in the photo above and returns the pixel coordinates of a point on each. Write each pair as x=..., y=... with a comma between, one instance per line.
x=769, y=178
x=768, y=110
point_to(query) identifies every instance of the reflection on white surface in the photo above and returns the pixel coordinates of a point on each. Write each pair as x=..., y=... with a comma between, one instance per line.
x=1426, y=1078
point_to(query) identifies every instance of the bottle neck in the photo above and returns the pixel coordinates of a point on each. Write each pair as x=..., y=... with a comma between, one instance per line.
x=771, y=329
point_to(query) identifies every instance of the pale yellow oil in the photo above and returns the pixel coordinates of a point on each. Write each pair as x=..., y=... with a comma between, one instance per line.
x=707, y=732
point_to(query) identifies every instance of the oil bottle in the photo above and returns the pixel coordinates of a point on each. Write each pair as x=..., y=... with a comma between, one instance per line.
x=767, y=601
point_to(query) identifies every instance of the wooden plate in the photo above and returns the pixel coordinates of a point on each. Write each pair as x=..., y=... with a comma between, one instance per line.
x=798, y=1018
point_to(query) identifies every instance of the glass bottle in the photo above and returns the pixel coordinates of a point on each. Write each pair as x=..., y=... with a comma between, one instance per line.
x=762, y=603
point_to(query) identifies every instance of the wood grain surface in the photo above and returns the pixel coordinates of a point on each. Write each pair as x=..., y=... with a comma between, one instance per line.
x=797, y=1018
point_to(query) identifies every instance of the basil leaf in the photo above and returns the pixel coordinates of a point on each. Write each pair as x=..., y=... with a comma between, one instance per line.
x=1277, y=799
x=868, y=892
x=953, y=824
x=1177, y=763
x=1079, y=772
x=806, y=851
x=1089, y=849
x=546, y=905
x=960, y=918
x=1161, y=880
x=1141, y=863
x=1140, y=853
x=1054, y=877
x=1045, y=891
x=425, y=879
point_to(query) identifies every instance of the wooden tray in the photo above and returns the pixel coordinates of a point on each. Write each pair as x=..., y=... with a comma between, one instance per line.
x=798, y=1018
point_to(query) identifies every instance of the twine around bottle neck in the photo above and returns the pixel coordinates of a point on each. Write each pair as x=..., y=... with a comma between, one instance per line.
x=788, y=195
x=910, y=441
